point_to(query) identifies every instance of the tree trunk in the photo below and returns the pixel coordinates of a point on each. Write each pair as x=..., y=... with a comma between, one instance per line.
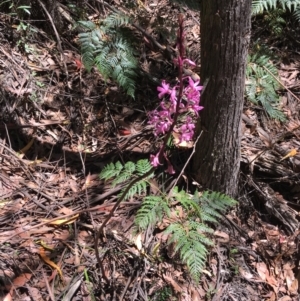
x=225, y=35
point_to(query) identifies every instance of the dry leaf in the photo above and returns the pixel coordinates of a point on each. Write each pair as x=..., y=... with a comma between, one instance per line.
x=50, y=262
x=64, y=221
x=138, y=242
x=21, y=280
x=292, y=153
x=222, y=236
x=262, y=270
x=265, y=137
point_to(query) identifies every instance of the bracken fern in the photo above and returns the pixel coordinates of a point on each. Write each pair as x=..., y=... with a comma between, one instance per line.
x=123, y=173
x=109, y=48
x=259, y=6
x=191, y=234
x=261, y=84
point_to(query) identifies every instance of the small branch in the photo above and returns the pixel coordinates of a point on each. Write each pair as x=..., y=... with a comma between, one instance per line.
x=281, y=83
x=57, y=36
x=185, y=165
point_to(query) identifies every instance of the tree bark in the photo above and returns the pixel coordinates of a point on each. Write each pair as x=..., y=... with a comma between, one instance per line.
x=225, y=35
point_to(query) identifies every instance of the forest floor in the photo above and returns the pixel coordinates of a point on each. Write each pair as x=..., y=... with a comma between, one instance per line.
x=60, y=125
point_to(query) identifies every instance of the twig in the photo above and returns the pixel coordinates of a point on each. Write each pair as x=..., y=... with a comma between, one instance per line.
x=50, y=292
x=186, y=163
x=281, y=83
x=126, y=287
x=57, y=36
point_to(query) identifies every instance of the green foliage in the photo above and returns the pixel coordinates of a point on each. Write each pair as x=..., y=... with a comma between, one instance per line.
x=296, y=14
x=122, y=173
x=191, y=234
x=261, y=84
x=152, y=211
x=274, y=10
x=163, y=294
x=109, y=48
x=259, y=6
x=275, y=21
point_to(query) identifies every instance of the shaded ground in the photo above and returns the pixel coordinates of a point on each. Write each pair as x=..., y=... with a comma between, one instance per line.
x=61, y=127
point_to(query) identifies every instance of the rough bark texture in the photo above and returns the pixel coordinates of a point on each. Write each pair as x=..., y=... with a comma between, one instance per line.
x=225, y=34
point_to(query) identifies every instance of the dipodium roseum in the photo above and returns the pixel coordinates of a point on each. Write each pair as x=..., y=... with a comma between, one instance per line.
x=179, y=105
x=162, y=118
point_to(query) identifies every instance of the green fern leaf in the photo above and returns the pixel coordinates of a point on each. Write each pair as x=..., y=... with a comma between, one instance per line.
x=111, y=170
x=261, y=84
x=109, y=48
x=296, y=14
x=191, y=245
x=152, y=211
x=116, y=20
x=123, y=173
x=88, y=24
x=260, y=6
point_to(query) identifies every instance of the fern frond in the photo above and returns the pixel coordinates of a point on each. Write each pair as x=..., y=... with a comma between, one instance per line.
x=111, y=170
x=116, y=20
x=260, y=6
x=213, y=203
x=152, y=211
x=185, y=200
x=191, y=236
x=138, y=188
x=88, y=25
x=110, y=49
x=143, y=166
x=191, y=245
x=123, y=173
x=290, y=4
x=296, y=14
x=261, y=84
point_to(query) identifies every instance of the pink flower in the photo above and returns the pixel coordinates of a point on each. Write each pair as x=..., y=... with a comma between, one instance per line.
x=194, y=85
x=154, y=160
x=164, y=89
x=188, y=126
x=173, y=94
x=189, y=62
x=186, y=136
x=170, y=170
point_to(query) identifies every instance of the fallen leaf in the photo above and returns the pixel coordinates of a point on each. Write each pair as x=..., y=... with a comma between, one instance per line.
x=222, y=236
x=63, y=221
x=50, y=262
x=262, y=270
x=183, y=144
x=27, y=147
x=292, y=153
x=138, y=242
